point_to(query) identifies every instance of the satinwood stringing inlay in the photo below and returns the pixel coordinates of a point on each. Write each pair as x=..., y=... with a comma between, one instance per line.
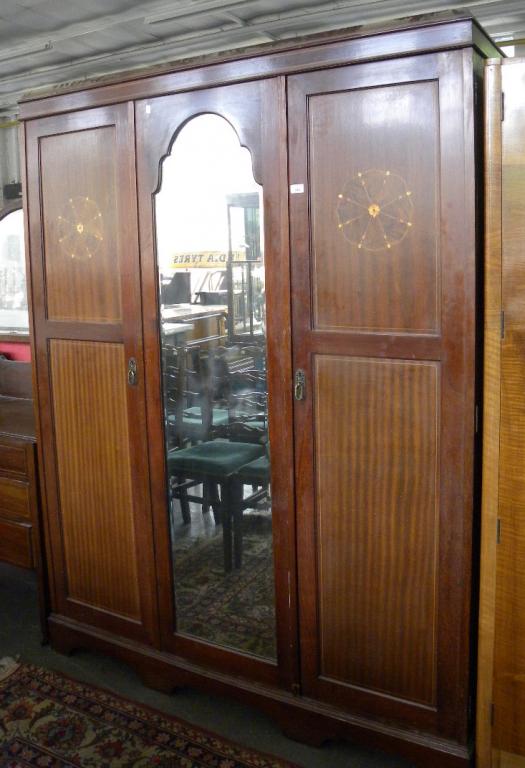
x=80, y=228
x=374, y=210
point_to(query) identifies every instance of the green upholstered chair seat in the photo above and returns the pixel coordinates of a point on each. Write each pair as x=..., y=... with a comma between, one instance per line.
x=259, y=469
x=215, y=458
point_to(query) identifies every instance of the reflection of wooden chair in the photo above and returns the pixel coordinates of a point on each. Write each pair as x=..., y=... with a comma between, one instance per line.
x=212, y=463
x=256, y=474
x=236, y=392
x=190, y=412
x=247, y=402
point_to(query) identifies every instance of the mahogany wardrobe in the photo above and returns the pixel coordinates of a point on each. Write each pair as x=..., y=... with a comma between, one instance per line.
x=254, y=285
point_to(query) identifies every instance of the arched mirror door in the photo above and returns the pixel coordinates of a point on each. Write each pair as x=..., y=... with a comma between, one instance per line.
x=210, y=256
x=207, y=163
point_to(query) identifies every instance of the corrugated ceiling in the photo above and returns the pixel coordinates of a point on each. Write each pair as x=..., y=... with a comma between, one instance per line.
x=45, y=42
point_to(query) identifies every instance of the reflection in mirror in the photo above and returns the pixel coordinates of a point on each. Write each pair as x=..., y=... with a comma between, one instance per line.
x=210, y=256
x=13, y=295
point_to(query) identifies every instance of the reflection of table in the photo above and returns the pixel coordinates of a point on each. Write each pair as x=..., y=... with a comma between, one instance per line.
x=194, y=324
x=174, y=334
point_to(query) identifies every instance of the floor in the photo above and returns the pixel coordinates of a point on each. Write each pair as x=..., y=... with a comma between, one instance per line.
x=234, y=609
x=20, y=637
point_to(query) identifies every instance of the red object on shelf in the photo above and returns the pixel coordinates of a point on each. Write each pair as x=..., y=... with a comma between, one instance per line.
x=16, y=350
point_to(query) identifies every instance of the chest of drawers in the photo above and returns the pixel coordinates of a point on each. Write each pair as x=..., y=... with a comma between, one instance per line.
x=18, y=499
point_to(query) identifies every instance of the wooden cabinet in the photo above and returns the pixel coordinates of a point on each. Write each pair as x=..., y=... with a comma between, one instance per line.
x=501, y=661
x=19, y=497
x=362, y=341
x=18, y=501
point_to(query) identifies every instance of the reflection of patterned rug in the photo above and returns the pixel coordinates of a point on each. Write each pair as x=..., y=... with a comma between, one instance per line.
x=50, y=721
x=233, y=609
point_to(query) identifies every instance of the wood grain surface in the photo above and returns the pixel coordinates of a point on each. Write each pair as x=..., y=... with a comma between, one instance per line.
x=81, y=247
x=386, y=312
x=381, y=271
x=491, y=412
x=14, y=497
x=376, y=455
x=90, y=154
x=94, y=474
x=509, y=651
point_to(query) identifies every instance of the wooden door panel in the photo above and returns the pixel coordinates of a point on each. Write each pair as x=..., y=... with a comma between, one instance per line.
x=376, y=454
x=87, y=323
x=79, y=196
x=383, y=326
x=94, y=475
x=375, y=209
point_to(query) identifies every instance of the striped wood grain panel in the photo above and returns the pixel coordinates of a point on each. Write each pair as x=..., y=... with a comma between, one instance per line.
x=373, y=132
x=94, y=474
x=509, y=644
x=76, y=166
x=377, y=506
x=491, y=412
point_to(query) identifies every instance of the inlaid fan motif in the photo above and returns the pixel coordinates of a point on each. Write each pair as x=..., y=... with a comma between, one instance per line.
x=80, y=228
x=374, y=210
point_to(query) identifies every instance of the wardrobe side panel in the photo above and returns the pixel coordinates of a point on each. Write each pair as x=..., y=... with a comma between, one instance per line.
x=509, y=653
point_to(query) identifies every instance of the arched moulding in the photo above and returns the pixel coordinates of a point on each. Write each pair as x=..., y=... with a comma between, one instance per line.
x=207, y=182
x=161, y=120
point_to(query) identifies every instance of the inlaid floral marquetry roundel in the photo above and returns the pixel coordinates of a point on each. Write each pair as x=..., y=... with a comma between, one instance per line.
x=374, y=210
x=80, y=228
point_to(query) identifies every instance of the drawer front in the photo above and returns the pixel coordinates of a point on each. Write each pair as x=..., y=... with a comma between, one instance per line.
x=13, y=459
x=15, y=544
x=14, y=499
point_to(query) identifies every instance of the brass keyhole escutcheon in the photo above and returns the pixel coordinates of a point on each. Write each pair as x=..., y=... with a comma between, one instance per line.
x=299, y=384
x=374, y=210
x=132, y=372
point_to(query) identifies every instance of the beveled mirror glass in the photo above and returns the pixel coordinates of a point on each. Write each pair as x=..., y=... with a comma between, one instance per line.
x=210, y=255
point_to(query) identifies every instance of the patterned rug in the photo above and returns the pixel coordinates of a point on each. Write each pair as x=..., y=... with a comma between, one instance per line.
x=50, y=721
x=231, y=609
